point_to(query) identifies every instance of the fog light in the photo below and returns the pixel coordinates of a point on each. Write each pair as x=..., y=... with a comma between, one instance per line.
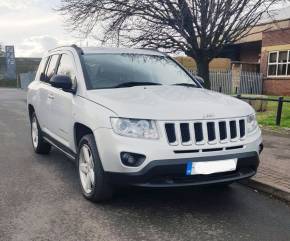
x=132, y=159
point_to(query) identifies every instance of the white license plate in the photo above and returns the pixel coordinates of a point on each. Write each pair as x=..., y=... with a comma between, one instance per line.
x=210, y=167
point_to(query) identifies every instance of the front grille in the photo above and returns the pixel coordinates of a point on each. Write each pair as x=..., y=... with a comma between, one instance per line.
x=203, y=132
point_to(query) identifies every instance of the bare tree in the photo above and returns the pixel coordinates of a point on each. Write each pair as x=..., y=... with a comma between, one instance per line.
x=198, y=28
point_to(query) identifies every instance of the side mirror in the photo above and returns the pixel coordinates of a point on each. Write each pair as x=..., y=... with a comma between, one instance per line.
x=200, y=80
x=62, y=82
x=43, y=77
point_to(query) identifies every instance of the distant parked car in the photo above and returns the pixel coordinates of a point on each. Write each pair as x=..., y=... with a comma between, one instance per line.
x=136, y=117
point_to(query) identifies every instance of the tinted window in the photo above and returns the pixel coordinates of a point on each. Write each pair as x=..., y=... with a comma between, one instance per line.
x=111, y=70
x=283, y=57
x=273, y=58
x=66, y=66
x=272, y=70
x=52, y=66
x=42, y=66
x=282, y=69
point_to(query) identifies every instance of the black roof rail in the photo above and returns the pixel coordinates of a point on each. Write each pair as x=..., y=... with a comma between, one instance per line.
x=77, y=48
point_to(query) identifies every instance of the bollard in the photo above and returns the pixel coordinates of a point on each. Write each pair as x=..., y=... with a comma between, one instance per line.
x=279, y=111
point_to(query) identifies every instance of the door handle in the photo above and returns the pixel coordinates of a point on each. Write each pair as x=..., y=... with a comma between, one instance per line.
x=50, y=96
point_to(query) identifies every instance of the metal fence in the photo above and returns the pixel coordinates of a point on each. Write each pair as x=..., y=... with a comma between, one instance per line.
x=26, y=78
x=222, y=81
x=251, y=83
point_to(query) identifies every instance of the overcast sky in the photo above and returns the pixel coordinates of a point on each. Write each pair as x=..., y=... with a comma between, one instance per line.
x=33, y=26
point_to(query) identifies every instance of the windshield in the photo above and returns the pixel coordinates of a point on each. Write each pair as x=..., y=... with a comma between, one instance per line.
x=128, y=70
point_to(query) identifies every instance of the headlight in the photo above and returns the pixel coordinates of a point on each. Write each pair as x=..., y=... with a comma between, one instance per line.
x=135, y=128
x=252, y=123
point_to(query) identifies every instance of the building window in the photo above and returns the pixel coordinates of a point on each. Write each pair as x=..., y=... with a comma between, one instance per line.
x=279, y=64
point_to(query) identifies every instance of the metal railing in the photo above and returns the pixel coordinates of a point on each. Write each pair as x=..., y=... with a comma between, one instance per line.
x=251, y=83
x=280, y=100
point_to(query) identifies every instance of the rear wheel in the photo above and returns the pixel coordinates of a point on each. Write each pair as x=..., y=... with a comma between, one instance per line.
x=94, y=183
x=40, y=146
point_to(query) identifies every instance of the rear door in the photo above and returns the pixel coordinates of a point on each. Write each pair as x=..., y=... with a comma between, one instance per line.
x=41, y=97
x=62, y=106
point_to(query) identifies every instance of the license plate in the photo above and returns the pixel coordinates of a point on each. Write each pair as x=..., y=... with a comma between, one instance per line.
x=210, y=167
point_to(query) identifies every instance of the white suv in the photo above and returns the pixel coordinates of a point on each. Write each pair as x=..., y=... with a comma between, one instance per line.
x=136, y=117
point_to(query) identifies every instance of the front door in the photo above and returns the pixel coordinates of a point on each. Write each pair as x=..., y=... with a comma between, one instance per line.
x=62, y=105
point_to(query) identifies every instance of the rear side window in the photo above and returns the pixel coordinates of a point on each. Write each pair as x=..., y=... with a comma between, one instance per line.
x=42, y=67
x=66, y=66
x=51, y=69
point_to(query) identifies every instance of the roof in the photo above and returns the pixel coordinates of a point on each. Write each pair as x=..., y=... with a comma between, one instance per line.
x=92, y=50
x=102, y=50
x=276, y=15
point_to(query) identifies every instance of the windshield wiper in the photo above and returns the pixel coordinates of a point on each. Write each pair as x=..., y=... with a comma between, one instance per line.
x=186, y=85
x=132, y=84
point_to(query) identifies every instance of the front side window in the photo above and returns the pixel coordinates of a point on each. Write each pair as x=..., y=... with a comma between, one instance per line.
x=279, y=63
x=127, y=70
x=66, y=66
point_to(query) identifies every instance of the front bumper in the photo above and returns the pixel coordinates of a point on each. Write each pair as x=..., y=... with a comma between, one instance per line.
x=111, y=145
x=171, y=173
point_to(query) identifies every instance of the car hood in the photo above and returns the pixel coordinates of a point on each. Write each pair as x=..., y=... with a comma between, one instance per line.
x=169, y=103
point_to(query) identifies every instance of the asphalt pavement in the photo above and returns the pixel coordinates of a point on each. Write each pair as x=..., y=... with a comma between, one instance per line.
x=40, y=199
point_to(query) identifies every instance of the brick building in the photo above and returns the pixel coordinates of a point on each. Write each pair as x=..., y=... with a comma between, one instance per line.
x=266, y=50
x=275, y=61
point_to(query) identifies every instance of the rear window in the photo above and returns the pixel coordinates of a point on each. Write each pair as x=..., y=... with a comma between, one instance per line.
x=42, y=66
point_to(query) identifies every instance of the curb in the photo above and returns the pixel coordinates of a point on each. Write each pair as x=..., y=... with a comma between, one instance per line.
x=266, y=188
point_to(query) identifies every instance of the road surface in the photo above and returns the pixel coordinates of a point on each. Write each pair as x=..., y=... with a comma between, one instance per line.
x=40, y=199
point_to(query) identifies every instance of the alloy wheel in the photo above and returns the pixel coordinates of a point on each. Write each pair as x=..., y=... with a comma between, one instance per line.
x=86, y=169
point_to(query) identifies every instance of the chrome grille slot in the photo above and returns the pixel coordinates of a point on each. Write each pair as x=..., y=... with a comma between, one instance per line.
x=184, y=132
x=170, y=131
x=198, y=132
x=233, y=129
x=211, y=131
x=223, y=130
x=242, y=128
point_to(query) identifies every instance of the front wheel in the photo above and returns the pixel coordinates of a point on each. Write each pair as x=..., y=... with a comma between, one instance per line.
x=94, y=183
x=40, y=146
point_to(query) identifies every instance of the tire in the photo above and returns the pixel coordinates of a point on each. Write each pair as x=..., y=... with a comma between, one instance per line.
x=223, y=185
x=40, y=146
x=93, y=180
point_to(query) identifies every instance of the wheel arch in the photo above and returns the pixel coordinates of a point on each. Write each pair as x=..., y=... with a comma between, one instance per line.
x=80, y=130
x=31, y=110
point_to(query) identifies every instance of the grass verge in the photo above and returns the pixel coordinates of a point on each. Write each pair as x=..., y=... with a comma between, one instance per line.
x=8, y=83
x=268, y=118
